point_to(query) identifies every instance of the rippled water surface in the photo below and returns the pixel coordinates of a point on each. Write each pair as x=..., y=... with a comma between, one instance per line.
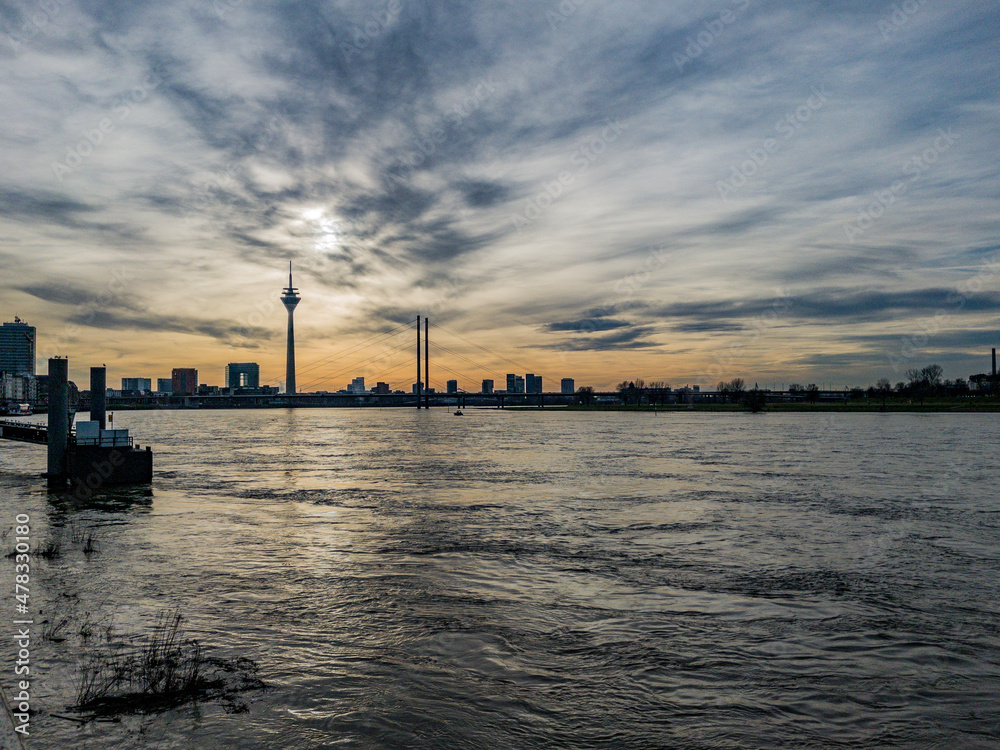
x=541, y=579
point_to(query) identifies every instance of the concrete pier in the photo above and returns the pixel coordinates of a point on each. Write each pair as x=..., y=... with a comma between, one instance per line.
x=98, y=395
x=90, y=458
x=58, y=420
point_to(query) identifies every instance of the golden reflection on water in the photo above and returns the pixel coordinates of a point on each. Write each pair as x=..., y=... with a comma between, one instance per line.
x=544, y=579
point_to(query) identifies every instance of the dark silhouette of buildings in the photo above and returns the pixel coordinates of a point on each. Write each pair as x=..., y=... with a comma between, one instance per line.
x=242, y=375
x=17, y=348
x=987, y=382
x=137, y=385
x=184, y=381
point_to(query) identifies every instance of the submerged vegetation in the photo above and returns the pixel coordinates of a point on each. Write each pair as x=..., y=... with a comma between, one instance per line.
x=160, y=671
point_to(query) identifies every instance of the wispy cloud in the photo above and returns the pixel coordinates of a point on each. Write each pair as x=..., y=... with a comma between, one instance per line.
x=385, y=147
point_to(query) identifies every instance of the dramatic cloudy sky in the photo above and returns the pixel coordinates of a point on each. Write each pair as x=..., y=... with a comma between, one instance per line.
x=784, y=191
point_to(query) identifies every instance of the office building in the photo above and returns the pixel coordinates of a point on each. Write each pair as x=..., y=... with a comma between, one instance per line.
x=164, y=385
x=17, y=348
x=452, y=386
x=183, y=381
x=381, y=388
x=515, y=383
x=357, y=386
x=567, y=385
x=137, y=385
x=242, y=375
x=20, y=388
x=532, y=383
x=487, y=386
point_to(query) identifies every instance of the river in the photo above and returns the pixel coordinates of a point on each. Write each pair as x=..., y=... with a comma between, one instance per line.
x=538, y=578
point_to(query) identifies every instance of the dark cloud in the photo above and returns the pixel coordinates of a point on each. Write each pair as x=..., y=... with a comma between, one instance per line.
x=120, y=311
x=588, y=325
x=224, y=331
x=632, y=338
x=965, y=340
x=43, y=206
x=834, y=306
x=481, y=194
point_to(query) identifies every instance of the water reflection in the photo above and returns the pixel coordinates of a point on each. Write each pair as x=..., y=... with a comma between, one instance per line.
x=550, y=580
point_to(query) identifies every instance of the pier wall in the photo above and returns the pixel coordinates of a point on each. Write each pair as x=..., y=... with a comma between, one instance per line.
x=97, y=466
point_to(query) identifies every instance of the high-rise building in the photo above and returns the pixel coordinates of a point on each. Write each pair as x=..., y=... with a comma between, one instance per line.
x=17, y=348
x=184, y=381
x=381, y=388
x=532, y=383
x=357, y=385
x=164, y=385
x=290, y=299
x=487, y=386
x=20, y=388
x=138, y=385
x=242, y=375
x=452, y=386
x=567, y=385
x=515, y=383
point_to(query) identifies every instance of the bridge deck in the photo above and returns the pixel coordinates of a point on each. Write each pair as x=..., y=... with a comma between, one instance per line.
x=24, y=432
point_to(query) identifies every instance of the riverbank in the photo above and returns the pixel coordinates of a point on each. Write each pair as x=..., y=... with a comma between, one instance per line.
x=951, y=405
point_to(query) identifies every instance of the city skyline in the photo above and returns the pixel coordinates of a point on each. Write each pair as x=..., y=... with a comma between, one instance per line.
x=685, y=192
x=515, y=382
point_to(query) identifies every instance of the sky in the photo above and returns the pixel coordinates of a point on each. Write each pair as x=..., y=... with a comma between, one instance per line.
x=679, y=191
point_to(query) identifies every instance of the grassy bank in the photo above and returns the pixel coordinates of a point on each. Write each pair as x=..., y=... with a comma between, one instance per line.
x=855, y=405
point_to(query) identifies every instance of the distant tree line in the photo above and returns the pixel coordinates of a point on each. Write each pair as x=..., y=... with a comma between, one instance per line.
x=927, y=382
x=638, y=391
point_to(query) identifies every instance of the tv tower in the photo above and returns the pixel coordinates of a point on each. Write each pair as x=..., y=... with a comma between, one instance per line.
x=290, y=299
